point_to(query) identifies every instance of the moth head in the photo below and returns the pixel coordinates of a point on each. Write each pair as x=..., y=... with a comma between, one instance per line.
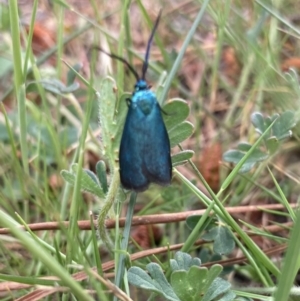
x=141, y=85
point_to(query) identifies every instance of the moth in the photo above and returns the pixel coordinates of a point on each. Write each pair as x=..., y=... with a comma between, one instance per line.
x=145, y=155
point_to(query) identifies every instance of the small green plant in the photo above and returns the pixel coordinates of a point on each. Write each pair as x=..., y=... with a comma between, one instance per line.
x=218, y=233
x=89, y=182
x=188, y=280
x=280, y=130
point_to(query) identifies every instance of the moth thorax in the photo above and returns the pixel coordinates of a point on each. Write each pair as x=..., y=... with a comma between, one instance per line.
x=145, y=105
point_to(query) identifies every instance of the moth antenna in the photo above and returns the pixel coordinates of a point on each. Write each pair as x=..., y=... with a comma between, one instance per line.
x=120, y=59
x=145, y=64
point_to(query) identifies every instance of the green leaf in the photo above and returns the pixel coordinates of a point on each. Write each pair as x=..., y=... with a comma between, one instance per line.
x=177, y=110
x=224, y=243
x=234, y=156
x=197, y=277
x=101, y=174
x=213, y=273
x=158, y=283
x=52, y=85
x=258, y=121
x=281, y=128
x=67, y=136
x=68, y=176
x=244, y=146
x=183, y=261
x=70, y=89
x=218, y=287
x=272, y=144
x=111, y=122
x=228, y=296
x=223, y=240
x=71, y=75
x=193, y=220
x=182, y=157
x=88, y=183
x=283, y=125
x=56, y=86
x=180, y=132
x=182, y=287
x=91, y=175
x=139, y=278
x=196, y=282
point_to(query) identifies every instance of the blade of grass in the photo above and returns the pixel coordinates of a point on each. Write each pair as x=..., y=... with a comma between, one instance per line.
x=284, y=201
x=17, y=165
x=19, y=80
x=194, y=235
x=40, y=253
x=120, y=266
x=181, y=53
x=95, y=246
x=120, y=65
x=259, y=269
x=278, y=16
x=30, y=35
x=291, y=264
x=76, y=199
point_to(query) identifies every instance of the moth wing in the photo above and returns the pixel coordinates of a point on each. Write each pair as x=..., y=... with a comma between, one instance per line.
x=131, y=153
x=145, y=150
x=157, y=158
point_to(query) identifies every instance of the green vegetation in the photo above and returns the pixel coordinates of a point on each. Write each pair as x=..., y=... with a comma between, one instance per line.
x=225, y=74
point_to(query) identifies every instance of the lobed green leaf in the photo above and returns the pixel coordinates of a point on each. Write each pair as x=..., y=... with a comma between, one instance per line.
x=176, y=111
x=182, y=157
x=88, y=181
x=180, y=132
